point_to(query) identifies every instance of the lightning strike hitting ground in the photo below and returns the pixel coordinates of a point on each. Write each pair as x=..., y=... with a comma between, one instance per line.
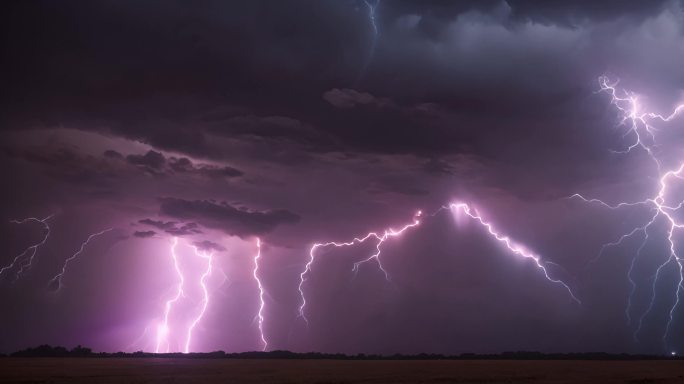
x=58, y=278
x=454, y=207
x=25, y=259
x=639, y=126
x=260, y=313
x=209, y=256
x=163, y=329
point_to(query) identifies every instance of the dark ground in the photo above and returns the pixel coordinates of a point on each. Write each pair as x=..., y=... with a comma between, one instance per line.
x=165, y=370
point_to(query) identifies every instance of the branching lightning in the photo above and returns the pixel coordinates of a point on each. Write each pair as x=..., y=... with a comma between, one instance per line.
x=380, y=238
x=388, y=233
x=209, y=256
x=58, y=277
x=164, y=329
x=25, y=259
x=260, y=313
x=639, y=127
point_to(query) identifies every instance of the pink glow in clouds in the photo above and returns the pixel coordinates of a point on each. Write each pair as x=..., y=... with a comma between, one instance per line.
x=175, y=331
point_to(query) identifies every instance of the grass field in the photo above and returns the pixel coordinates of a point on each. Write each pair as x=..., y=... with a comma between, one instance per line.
x=158, y=370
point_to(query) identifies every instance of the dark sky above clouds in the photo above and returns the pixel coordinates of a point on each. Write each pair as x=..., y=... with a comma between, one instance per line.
x=217, y=122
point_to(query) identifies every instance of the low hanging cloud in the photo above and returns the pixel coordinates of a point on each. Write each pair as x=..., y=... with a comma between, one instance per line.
x=209, y=246
x=144, y=234
x=225, y=217
x=172, y=227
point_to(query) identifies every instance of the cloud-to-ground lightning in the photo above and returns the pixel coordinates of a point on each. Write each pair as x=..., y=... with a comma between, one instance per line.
x=209, y=257
x=58, y=277
x=262, y=304
x=163, y=329
x=25, y=259
x=512, y=246
x=640, y=126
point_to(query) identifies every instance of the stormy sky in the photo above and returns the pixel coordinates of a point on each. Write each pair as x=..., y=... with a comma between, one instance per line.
x=215, y=123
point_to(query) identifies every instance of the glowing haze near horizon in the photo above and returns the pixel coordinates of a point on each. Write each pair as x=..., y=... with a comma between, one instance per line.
x=343, y=176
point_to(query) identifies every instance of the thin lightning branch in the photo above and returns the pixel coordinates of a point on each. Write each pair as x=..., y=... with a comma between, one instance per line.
x=25, y=262
x=58, y=278
x=512, y=246
x=260, y=313
x=639, y=126
x=465, y=208
x=209, y=256
x=380, y=238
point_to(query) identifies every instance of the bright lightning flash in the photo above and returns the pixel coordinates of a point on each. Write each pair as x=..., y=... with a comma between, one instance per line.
x=381, y=238
x=260, y=313
x=639, y=126
x=164, y=329
x=209, y=256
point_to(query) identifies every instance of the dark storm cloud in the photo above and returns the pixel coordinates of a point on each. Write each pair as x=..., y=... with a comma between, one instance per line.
x=193, y=65
x=349, y=98
x=151, y=160
x=184, y=165
x=234, y=221
x=144, y=234
x=172, y=227
x=112, y=154
x=207, y=245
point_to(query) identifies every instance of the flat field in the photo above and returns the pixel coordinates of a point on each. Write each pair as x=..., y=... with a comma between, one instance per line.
x=168, y=370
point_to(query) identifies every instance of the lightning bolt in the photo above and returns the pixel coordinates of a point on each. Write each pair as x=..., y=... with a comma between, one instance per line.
x=388, y=233
x=260, y=313
x=25, y=259
x=513, y=247
x=209, y=256
x=163, y=329
x=58, y=278
x=643, y=133
x=380, y=238
x=372, y=8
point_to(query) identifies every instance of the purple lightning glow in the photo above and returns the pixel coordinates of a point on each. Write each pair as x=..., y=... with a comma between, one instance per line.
x=58, y=277
x=453, y=207
x=209, y=256
x=509, y=244
x=164, y=330
x=639, y=126
x=388, y=233
x=22, y=260
x=260, y=313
